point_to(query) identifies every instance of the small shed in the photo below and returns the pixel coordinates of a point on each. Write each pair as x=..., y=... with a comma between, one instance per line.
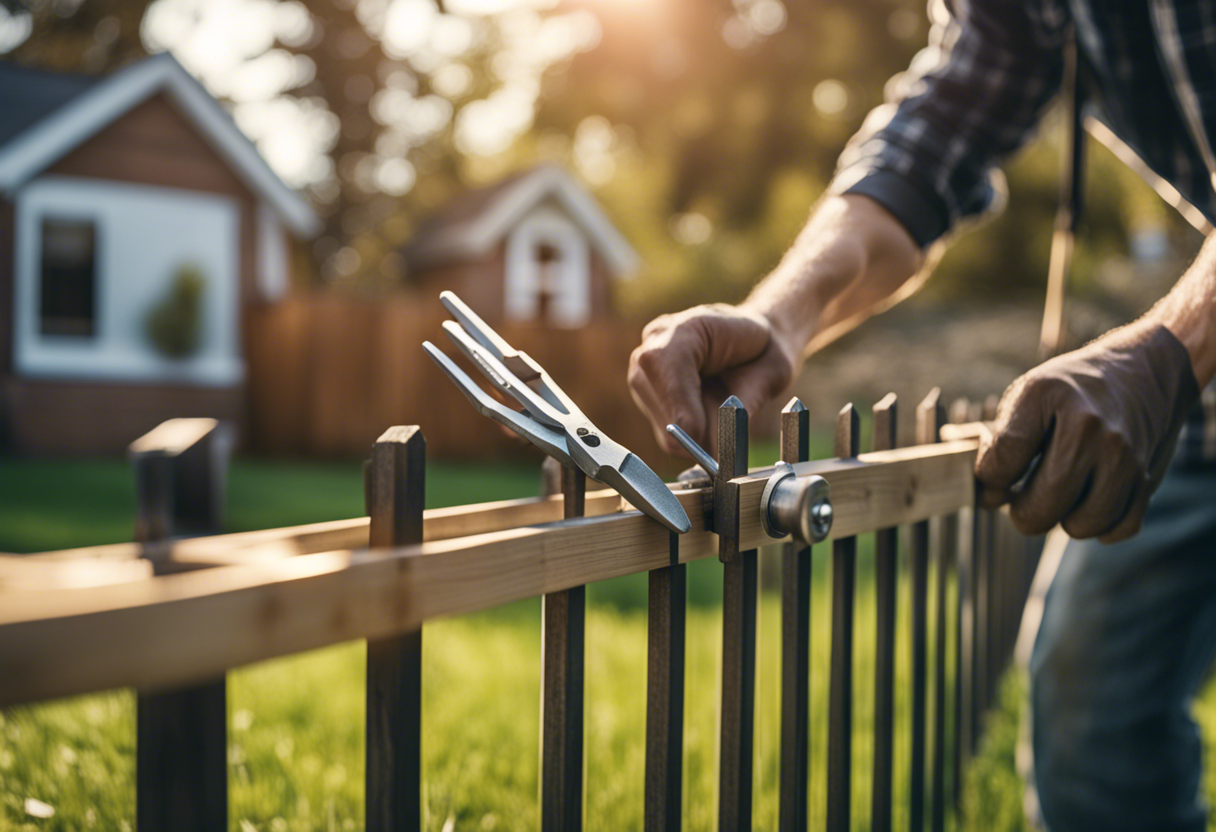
x=535, y=247
x=125, y=197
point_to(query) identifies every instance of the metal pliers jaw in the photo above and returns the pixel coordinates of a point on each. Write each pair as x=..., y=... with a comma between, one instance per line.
x=550, y=420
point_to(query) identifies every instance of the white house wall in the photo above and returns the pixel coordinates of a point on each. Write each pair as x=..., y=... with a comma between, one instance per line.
x=571, y=305
x=144, y=235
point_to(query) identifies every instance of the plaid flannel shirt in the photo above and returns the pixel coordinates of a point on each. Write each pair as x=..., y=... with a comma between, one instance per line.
x=976, y=93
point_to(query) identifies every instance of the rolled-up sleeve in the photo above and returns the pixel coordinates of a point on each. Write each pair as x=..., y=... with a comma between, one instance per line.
x=969, y=99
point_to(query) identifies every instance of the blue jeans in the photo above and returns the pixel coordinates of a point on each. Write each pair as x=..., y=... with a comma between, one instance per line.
x=1128, y=635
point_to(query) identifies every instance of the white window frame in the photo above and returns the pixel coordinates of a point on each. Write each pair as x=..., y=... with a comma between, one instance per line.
x=571, y=297
x=119, y=350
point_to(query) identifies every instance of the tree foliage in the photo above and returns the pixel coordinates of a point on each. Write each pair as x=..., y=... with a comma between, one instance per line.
x=707, y=127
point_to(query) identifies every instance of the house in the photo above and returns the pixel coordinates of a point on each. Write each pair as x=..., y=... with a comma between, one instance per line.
x=137, y=227
x=534, y=247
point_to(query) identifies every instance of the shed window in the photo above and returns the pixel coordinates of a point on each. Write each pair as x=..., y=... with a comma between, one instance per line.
x=548, y=265
x=68, y=285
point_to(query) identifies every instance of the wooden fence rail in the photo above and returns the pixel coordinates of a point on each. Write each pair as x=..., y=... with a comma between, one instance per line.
x=215, y=603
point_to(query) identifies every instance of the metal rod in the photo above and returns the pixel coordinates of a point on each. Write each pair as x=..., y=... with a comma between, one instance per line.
x=694, y=450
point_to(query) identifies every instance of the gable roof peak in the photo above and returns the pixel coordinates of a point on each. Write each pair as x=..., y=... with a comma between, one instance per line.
x=476, y=221
x=77, y=117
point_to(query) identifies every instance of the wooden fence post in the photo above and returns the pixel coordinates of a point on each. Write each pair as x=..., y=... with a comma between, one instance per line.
x=397, y=493
x=665, y=694
x=929, y=418
x=964, y=663
x=181, y=769
x=563, y=635
x=795, y=642
x=840, y=685
x=886, y=553
x=920, y=604
x=738, y=629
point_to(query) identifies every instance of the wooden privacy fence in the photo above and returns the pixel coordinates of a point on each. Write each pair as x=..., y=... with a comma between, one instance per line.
x=328, y=372
x=171, y=616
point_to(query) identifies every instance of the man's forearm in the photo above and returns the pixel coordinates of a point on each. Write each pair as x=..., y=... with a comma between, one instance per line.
x=852, y=255
x=1189, y=312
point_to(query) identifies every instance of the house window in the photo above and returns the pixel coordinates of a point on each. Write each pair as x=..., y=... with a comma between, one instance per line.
x=68, y=279
x=548, y=271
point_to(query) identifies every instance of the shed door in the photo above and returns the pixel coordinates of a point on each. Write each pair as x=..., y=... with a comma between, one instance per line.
x=548, y=268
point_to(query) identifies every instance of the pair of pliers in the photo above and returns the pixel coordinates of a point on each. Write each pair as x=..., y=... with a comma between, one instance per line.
x=550, y=420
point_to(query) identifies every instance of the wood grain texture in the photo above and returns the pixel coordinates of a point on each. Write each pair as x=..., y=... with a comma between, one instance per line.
x=393, y=795
x=732, y=463
x=272, y=544
x=964, y=621
x=840, y=682
x=178, y=628
x=21, y=572
x=899, y=486
x=930, y=417
x=795, y=644
x=563, y=665
x=927, y=430
x=886, y=552
x=665, y=693
x=181, y=766
x=738, y=703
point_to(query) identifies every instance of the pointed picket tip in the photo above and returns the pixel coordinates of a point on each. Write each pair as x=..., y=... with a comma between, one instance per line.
x=930, y=416
x=960, y=410
x=732, y=401
x=933, y=400
x=848, y=427
x=794, y=405
x=885, y=426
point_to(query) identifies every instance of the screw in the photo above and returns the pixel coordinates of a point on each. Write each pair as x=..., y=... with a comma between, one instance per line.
x=821, y=514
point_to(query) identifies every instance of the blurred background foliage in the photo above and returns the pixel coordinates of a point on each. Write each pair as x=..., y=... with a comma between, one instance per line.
x=708, y=128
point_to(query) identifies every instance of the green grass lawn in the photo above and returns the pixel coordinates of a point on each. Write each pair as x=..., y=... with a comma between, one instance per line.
x=296, y=724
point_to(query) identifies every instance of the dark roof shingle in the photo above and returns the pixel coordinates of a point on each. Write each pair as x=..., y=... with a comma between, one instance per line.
x=29, y=95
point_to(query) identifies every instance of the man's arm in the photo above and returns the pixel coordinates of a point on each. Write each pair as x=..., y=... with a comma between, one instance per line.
x=919, y=165
x=852, y=255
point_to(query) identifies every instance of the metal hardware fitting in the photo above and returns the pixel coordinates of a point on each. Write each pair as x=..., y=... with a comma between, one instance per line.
x=790, y=505
x=798, y=506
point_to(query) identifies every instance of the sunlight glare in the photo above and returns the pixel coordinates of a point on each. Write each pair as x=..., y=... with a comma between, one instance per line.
x=407, y=26
x=830, y=97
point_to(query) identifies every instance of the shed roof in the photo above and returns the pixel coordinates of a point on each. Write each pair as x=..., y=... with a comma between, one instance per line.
x=476, y=221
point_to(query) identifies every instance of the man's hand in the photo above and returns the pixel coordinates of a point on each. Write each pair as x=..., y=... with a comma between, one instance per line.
x=1102, y=422
x=852, y=255
x=688, y=363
